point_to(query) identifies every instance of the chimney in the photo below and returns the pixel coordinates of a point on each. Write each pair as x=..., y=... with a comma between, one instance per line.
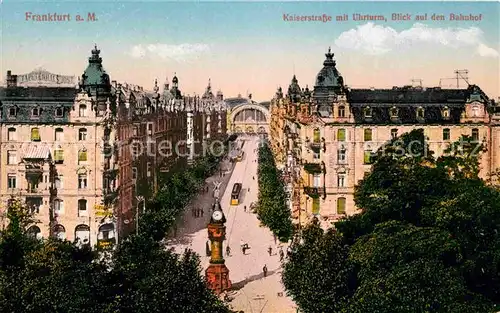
x=11, y=79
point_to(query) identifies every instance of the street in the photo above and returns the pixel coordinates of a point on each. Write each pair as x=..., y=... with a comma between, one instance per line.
x=251, y=291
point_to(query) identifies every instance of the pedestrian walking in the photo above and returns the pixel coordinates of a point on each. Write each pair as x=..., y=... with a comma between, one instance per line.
x=264, y=270
x=248, y=189
x=202, y=211
x=282, y=255
x=270, y=250
x=253, y=177
x=245, y=208
x=207, y=248
x=274, y=238
x=228, y=251
x=192, y=212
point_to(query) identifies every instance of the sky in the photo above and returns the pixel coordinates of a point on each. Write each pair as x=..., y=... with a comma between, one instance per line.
x=254, y=47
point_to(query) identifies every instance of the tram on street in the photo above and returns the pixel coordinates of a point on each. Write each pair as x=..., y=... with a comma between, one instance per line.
x=235, y=194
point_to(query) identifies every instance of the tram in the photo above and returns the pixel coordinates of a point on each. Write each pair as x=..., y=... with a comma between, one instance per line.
x=235, y=194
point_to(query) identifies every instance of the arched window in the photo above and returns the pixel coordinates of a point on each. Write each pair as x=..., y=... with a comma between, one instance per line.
x=35, y=134
x=341, y=111
x=11, y=134
x=446, y=112
x=82, y=134
x=59, y=134
x=106, y=231
x=420, y=112
x=394, y=112
x=475, y=111
x=82, y=234
x=368, y=112
x=82, y=110
x=341, y=205
x=35, y=232
x=60, y=231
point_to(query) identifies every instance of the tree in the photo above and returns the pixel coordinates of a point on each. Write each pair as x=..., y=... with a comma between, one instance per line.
x=317, y=275
x=272, y=209
x=427, y=237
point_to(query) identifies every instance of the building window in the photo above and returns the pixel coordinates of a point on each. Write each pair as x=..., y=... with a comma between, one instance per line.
x=341, y=155
x=35, y=112
x=11, y=181
x=368, y=156
x=135, y=131
x=58, y=206
x=368, y=134
x=150, y=129
x=368, y=112
x=475, y=111
x=420, y=112
x=60, y=232
x=446, y=134
x=394, y=133
x=134, y=172
x=82, y=207
x=82, y=181
x=394, y=112
x=12, y=111
x=11, y=134
x=341, y=134
x=316, y=181
x=35, y=134
x=12, y=157
x=59, y=112
x=82, y=110
x=316, y=155
x=341, y=111
x=82, y=155
x=59, y=155
x=82, y=134
x=446, y=112
x=135, y=149
x=475, y=134
x=317, y=135
x=315, y=206
x=59, y=134
x=148, y=169
x=341, y=205
x=58, y=182
x=341, y=180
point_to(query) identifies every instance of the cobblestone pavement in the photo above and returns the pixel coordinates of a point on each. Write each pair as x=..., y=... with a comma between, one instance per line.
x=252, y=292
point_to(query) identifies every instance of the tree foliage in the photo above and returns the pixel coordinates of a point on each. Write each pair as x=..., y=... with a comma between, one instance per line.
x=427, y=238
x=272, y=209
x=139, y=276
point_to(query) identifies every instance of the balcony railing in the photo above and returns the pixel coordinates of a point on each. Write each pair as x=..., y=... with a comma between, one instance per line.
x=314, y=191
x=313, y=168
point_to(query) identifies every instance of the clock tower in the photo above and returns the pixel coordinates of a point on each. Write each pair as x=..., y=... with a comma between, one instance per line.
x=217, y=274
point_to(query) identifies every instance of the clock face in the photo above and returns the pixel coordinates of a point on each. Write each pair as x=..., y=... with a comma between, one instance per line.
x=217, y=215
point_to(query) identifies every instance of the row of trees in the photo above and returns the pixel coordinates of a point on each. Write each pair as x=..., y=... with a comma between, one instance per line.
x=272, y=209
x=427, y=239
x=139, y=276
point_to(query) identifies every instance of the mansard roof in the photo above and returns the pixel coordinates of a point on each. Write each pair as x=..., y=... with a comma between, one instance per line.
x=58, y=94
x=408, y=95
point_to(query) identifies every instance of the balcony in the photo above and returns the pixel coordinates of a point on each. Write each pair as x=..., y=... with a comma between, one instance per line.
x=314, y=192
x=313, y=168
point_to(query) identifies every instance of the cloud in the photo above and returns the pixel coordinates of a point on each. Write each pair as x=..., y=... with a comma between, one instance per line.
x=376, y=39
x=180, y=52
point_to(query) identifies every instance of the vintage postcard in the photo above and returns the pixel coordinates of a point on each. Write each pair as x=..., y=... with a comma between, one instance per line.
x=278, y=157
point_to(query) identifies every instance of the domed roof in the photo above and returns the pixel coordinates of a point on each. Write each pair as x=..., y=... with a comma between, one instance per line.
x=329, y=76
x=95, y=73
x=175, y=80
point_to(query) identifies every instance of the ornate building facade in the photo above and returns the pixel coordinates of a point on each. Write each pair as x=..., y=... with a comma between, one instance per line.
x=324, y=138
x=77, y=152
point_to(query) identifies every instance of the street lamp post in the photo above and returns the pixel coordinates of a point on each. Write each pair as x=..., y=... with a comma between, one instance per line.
x=139, y=200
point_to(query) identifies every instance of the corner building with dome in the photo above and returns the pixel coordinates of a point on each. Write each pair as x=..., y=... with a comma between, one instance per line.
x=324, y=138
